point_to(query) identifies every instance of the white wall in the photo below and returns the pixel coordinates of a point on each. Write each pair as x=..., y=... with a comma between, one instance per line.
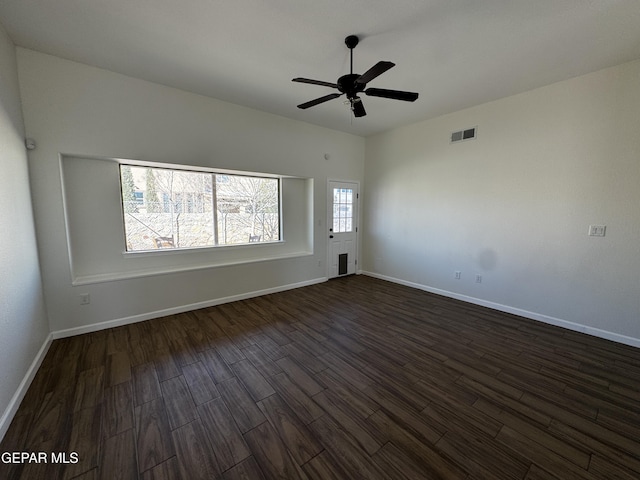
x=23, y=323
x=515, y=204
x=74, y=109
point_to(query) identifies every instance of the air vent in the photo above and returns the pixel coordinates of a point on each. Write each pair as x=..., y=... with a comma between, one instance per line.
x=462, y=135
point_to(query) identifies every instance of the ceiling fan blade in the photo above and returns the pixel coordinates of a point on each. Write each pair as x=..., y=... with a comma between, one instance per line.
x=393, y=94
x=315, y=82
x=358, y=107
x=378, y=69
x=318, y=101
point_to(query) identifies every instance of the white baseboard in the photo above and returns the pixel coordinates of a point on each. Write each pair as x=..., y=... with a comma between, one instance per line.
x=69, y=332
x=558, y=322
x=12, y=408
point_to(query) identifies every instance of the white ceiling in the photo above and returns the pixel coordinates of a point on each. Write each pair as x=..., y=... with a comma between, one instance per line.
x=455, y=53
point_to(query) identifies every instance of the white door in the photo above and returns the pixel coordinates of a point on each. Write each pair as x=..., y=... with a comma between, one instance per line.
x=343, y=227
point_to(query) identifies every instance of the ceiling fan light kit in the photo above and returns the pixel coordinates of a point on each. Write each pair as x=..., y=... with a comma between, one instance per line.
x=353, y=84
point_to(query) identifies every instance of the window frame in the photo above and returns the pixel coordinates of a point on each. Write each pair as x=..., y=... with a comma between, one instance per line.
x=203, y=170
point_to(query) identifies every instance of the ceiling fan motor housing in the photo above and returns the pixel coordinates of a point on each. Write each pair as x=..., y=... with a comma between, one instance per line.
x=347, y=84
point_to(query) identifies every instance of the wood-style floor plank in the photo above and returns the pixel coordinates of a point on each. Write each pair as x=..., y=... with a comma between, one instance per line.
x=117, y=409
x=396, y=464
x=216, y=365
x=167, y=470
x=146, y=386
x=345, y=450
x=200, y=383
x=223, y=434
x=89, y=389
x=118, y=461
x=343, y=415
x=299, y=376
x=323, y=467
x=153, y=435
x=181, y=409
x=482, y=455
x=246, y=470
x=252, y=380
x=196, y=459
x=427, y=456
x=84, y=441
x=300, y=442
x=352, y=378
x=118, y=368
x=553, y=463
x=271, y=454
x=261, y=361
x=244, y=410
x=304, y=406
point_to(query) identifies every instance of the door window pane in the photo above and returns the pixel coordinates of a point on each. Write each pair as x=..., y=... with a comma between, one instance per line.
x=342, y=210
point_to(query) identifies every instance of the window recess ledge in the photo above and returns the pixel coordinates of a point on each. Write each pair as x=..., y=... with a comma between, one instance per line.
x=79, y=280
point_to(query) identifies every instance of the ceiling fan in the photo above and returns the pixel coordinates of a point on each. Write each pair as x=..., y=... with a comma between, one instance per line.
x=352, y=84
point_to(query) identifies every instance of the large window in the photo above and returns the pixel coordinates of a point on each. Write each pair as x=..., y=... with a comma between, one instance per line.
x=170, y=208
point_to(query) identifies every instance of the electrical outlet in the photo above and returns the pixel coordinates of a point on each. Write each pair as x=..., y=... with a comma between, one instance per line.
x=458, y=275
x=478, y=278
x=85, y=299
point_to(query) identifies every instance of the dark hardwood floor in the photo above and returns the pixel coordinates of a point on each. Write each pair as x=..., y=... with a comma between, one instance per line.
x=355, y=378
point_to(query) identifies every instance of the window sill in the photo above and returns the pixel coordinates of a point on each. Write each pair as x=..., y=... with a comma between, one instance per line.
x=117, y=276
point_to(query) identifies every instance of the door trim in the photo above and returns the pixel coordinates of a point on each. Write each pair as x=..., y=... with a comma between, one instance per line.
x=329, y=218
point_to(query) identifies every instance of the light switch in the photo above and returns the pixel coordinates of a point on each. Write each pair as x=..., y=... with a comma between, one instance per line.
x=597, y=230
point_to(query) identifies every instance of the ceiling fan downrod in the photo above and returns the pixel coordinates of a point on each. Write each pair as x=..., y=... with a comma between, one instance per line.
x=351, y=42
